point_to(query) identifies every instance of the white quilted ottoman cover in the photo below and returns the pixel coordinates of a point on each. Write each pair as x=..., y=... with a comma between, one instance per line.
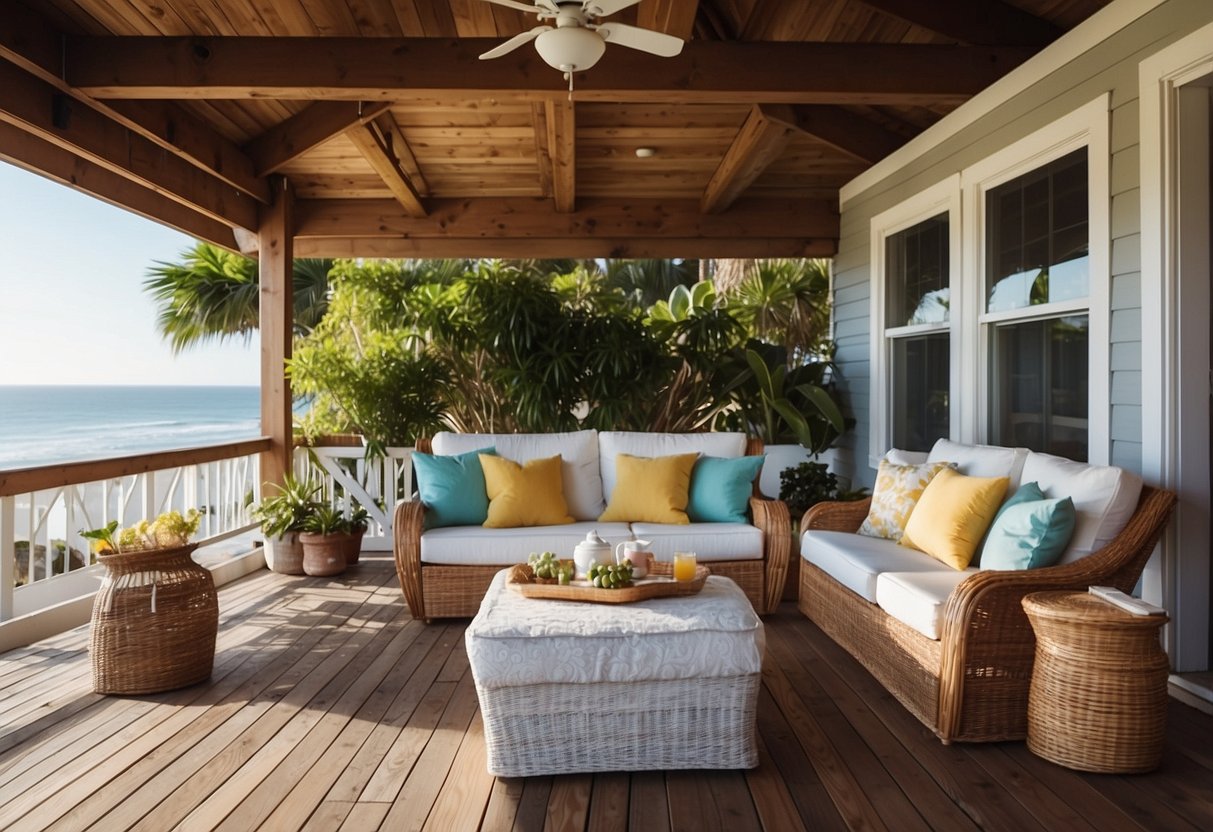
x=669, y=683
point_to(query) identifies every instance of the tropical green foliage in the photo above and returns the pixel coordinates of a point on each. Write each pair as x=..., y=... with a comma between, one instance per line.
x=214, y=294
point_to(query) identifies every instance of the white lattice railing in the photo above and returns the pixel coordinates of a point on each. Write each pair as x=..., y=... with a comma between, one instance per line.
x=43, y=558
x=348, y=476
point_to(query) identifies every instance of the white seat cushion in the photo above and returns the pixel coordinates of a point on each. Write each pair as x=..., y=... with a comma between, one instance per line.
x=709, y=541
x=917, y=598
x=855, y=560
x=579, y=471
x=516, y=641
x=1104, y=496
x=478, y=546
x=982, y=460
x=610, y=443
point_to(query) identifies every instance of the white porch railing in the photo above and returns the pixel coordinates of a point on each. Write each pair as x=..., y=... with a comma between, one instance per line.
x=349, y=477
x=43, y=558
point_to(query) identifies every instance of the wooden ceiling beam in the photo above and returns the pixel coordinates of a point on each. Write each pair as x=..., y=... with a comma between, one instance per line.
x=979, y=22
x=674, y=17
x=506, y=218
x=399, y=146
x=35, y=45
x=585, y=247
x=308, y=128
x=374, y=147
x=402, y=68
x=761, y=140
x=42, y=110
x=562, y=148
x=846, y=132
x=543, y=156
x=45, y=159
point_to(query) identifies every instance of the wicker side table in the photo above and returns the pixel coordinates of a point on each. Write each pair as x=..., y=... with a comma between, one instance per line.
x=1098, y=699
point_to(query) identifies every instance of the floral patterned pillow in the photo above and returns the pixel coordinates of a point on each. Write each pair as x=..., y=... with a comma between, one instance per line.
x=897, y=490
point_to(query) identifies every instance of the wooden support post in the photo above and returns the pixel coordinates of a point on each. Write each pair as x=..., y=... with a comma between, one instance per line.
x=276, y=232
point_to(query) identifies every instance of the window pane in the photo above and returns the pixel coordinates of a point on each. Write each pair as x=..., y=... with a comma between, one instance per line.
x=1037, y=236
x=1039, y=395
x=920, y=391
x=916, y=267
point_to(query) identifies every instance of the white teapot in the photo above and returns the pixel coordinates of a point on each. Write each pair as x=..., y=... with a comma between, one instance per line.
x=637, y=551
x=590, y=551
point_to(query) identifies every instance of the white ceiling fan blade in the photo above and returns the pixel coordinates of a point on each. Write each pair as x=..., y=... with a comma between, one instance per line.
x=514, y=4
x=602, y=8
x=646, y=40
x=514, y=42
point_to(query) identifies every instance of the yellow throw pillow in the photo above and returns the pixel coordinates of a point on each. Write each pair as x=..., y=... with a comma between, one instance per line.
x=651, y=489
x=524, y=495
x=952, y=516
x=897, y=490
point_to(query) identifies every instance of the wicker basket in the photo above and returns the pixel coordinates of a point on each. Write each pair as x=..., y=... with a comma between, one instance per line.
x=155, y=619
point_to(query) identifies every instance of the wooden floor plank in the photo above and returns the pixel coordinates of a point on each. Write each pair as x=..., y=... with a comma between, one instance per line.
x=329, y=709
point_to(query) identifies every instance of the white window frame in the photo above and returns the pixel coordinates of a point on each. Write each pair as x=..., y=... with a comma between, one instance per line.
x=941, y=198
x=1087, y=127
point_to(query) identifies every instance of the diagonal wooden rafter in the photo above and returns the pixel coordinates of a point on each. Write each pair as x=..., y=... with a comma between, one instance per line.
x=40, y=109
x=36, y=46
x=402, y=68
x=308, y=128
x=674, y=17
x=41, y=157
x=376, y=149
x=562, y=148
x=846, y=132
x=981, y=22
x=399, y=147
x=761, y=140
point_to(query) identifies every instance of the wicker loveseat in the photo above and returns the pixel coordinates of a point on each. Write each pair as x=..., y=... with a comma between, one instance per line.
x=445, y=572
x=965, y=674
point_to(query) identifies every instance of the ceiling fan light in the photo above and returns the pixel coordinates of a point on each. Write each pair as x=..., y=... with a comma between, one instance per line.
x=570, y=49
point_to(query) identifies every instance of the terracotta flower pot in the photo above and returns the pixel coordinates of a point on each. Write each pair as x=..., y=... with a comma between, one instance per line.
x=323, y=554
x=353, y=546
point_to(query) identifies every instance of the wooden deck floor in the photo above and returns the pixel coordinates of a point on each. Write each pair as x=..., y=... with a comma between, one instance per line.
x=329, y=708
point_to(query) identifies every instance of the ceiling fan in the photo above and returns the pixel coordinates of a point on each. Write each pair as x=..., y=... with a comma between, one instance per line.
x=578, y=40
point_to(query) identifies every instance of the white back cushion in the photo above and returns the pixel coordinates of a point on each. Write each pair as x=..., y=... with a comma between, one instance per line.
x=1104, y=496
x=982, y=460
x=896, y=456
x=579, y=456
x=610, y=443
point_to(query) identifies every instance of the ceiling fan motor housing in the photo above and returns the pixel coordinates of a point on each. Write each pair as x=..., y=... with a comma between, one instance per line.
x=570, y=48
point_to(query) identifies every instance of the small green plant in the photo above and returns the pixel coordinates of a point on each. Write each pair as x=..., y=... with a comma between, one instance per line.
x=810, y=483
x=287, y=510
x=170, y=530
x=358, y=520
x=326, y=519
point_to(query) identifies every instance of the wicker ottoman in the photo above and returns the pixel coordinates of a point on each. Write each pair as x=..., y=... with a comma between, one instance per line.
x=669, y=683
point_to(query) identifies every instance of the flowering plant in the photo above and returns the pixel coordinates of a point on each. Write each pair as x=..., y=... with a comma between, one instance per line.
x=170, y=530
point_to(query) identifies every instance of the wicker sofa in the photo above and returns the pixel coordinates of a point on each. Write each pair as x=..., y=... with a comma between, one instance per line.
x=445, y=572
x=961, y=661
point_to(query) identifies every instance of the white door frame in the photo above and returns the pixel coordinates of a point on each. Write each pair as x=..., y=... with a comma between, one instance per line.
x=1174, y=339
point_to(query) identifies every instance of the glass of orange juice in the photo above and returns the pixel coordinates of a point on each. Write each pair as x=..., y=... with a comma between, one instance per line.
x=684, y=566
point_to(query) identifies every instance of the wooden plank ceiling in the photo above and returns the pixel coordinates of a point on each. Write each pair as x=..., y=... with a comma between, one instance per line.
x=397, y=141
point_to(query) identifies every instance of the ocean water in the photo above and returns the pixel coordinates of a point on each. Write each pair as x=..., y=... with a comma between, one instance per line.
x=44, y=425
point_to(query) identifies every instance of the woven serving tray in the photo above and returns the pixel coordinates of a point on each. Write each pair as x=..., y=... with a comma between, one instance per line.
x=659, y=584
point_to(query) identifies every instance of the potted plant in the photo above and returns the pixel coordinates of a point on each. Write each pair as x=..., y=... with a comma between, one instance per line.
x=356, y=525
x=282, y=516
x=325, y=539
x=156, y=615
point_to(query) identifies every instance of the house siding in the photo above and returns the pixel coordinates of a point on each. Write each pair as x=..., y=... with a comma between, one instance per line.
x=1111, y=65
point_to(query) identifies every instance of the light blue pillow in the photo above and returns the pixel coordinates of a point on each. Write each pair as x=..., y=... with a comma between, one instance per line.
x=721, y=488
x=1029, y=535
x=452, y=488
x=1027, y=493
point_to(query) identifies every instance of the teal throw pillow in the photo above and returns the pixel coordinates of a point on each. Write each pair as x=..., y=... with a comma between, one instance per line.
x=1029, y=535
x=1027, y=493
x=721, y=488
x=452, y=488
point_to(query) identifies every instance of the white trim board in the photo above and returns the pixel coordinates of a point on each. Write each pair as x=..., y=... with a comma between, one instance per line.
x=1075, y=43
x=1181, y=586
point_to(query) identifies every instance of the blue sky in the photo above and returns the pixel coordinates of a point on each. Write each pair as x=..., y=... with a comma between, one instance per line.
x=72, y=307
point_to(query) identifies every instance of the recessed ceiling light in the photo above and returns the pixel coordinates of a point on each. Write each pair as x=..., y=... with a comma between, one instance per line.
x=645, y=152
